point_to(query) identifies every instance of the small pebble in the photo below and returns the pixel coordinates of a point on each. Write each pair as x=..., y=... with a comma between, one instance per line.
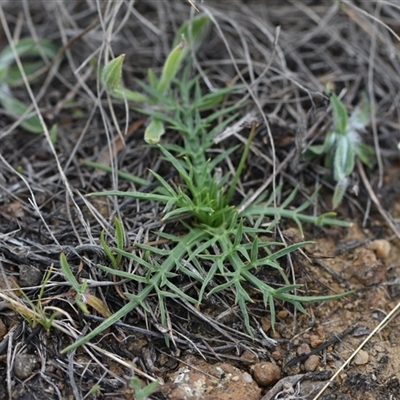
x=29, y=275
x=275, y=335
x=266, y=373
x=266, y=324
x=24, y=365
x=282, y=314
x=304, y=348
x=315, y=341
x=381, y=247
x=311, y=364
x=249, y=358
x=247, y=377
x=276, y=355
x=361, y=358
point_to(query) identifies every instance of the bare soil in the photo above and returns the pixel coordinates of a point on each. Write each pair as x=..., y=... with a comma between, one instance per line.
x=353, y=46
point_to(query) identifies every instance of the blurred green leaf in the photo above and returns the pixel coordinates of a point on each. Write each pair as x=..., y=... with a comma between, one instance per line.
x=26, y=47
x=152, y=79
x=192, y=30
x=344, y=158
x=340, y=190
x=364, y=153
x=17, y=109
x=171, y=66
x=11, y=75
x=14, y=76
x=54, y=133
x=141, y=393
x=213, y=99
x=123, y=93
x=154, y=131
x=339, y=114
x=111, y=76
x=361, y=116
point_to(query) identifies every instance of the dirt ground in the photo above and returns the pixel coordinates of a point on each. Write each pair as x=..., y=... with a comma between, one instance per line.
x=353, y=46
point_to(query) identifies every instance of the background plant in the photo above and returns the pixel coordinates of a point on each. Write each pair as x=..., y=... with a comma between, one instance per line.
x=188, y=35
x=33, y=54
x=343, y=144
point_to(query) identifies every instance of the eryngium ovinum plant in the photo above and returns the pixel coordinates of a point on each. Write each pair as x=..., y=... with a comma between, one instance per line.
x=220, y=249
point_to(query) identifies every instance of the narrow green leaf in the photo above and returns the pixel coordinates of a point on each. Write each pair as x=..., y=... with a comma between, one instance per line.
x=320, y=219
x=171, y=66
x=136, y=195
x=120, y=239
x=106, y=324
x=340, y=190
x=123, y=93
x=365, y=153
x=152, y=79
x=14, y=77
x=28, y=46
x=69, y=274
x=121, y=174
x=340, y=117
x=107, y=249
x=343, y=163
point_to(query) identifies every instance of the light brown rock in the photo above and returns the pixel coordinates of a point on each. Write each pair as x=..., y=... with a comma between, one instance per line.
x=361, y=358
x=311, y=364
x=249, y=358
x=266, y=373
x=381, y=247
x=304, y=348
x=315, y=341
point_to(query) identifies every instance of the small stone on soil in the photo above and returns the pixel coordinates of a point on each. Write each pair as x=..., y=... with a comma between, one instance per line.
x=312, y=363
x=315, y=341
x=361, y=358
x=304, y=348
x=24, y=365
x=381, y=247
x=29, y=275
x=266, y=373
x=249, y=358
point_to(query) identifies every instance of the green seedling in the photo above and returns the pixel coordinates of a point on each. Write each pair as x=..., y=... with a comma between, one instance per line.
x=219, y=248
x=10, y=77
x=120, y=242
x=82, y=296
x=141, y=393
x=158, y=88
x=344, y=143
